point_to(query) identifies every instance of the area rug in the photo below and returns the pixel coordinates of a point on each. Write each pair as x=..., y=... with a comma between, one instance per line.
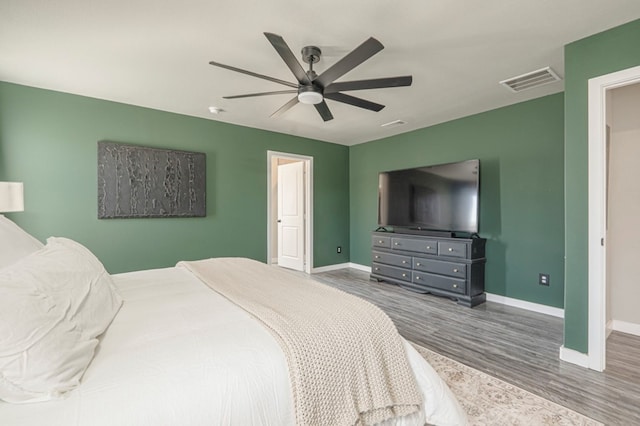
x=491, y=401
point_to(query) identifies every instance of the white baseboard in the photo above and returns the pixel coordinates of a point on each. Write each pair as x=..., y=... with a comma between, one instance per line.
x=360, y=267
x=341, y=266
x=330, y=268
x=523, y=304
x=626, y=327
x=574, y=357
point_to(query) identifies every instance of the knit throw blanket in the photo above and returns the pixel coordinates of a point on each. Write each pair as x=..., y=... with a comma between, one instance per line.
x=346, y=360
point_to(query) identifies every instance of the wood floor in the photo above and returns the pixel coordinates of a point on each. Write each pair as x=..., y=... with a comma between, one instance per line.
x=518, y=346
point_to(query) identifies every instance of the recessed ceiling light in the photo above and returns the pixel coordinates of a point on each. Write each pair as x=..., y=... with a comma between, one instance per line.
x=394, y=123
x=215, y=110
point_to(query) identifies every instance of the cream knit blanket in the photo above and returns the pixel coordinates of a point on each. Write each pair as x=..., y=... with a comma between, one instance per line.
x=347, y=363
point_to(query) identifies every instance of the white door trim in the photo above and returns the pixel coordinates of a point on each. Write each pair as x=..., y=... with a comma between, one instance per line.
x=597, y=99
x=308, y=224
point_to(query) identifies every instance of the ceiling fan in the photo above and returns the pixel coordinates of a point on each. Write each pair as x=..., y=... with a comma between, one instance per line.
x=312, y=88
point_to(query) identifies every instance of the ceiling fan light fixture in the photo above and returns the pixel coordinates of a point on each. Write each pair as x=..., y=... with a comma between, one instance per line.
x=311, y=87
x=309, y=95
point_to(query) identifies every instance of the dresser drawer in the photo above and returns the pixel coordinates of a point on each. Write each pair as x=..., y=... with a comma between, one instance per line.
x=452, y=249
x=392, y=259
x=436, y=281
x=453, y=269
x=410, y=244
x=378, y=241
x=391, y=272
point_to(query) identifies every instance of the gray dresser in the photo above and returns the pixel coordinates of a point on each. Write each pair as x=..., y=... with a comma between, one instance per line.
x=452, y=267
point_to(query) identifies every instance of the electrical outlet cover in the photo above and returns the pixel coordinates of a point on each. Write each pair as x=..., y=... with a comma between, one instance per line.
x=543, y=279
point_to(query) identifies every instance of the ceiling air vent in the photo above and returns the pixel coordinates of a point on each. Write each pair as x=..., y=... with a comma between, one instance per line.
x=530, y=80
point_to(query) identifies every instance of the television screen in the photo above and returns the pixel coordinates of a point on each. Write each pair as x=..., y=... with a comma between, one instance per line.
x=443, y=197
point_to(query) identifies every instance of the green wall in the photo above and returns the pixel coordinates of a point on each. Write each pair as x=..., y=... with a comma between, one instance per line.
x=601, y=54
x=48, y=140
x=521, y=154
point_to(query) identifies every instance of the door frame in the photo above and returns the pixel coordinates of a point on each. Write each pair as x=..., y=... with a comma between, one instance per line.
x=308, y=206
x=597, y=100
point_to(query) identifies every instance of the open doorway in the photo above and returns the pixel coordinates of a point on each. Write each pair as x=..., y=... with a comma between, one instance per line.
x=289, y=210
x=600, y=115
x=623, y=211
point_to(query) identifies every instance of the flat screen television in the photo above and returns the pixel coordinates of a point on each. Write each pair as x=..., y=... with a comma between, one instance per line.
x=441, y=197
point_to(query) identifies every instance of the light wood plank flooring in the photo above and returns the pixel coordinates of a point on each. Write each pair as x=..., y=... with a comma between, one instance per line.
x=515, y=345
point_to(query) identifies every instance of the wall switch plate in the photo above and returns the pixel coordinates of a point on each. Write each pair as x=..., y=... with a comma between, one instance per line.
x=543, y=279
x=339, y=249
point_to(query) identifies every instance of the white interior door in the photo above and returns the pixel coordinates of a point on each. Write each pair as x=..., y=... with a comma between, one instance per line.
x=291, y=215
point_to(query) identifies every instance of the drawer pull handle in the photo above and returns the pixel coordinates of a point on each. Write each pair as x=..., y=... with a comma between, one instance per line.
x=455, y=269
x=379, y=241
x=455, y=286
x=377, y=269
x=450, y=249
x=397, y=244
x=418, y=264
x=417, y=277
x=404, y=262
x=404, y=275
x=428, y=247
x=377, y=257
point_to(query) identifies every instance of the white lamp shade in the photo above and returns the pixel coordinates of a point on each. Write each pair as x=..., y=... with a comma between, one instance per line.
x=11, y=197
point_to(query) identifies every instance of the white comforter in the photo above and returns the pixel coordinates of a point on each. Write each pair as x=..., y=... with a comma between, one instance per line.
x=178, y=353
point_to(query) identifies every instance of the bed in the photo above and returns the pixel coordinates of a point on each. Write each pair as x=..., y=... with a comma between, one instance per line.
x=176, y=352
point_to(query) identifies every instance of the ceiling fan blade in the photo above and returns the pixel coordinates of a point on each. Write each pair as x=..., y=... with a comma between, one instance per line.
x=288, y=57
x=376, y=83
x=253, y=74
x=249, y=95
x=357, y=56
x=352, y=100
x=285, y=107
x=323, y=110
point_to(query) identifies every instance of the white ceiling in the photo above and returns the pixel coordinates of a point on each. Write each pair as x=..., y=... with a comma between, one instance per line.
x=155, y=53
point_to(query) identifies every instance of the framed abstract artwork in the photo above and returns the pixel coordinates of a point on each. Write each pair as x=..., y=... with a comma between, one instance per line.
x=142, y=182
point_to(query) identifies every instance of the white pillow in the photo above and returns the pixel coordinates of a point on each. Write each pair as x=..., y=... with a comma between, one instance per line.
x=15, y=243
x=53, y=305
